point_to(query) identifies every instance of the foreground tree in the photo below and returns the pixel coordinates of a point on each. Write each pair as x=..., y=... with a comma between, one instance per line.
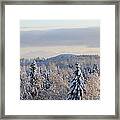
x=33, y=79
x=77, y=85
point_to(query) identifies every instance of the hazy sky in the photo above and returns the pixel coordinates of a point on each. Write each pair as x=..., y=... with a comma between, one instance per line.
x=33, y=52
x=46, y=38
x=26, y=25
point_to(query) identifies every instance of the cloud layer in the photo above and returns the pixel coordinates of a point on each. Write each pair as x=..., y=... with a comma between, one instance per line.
x=89, y=37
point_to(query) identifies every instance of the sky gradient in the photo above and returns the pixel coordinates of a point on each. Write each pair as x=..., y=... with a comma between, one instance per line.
x=46, y=38
x=28, y=25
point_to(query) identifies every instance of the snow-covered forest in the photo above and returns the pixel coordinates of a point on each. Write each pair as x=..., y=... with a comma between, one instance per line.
x=64, y=77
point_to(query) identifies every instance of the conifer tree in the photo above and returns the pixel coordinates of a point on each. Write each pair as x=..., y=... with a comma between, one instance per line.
x=33, y=68
x=47, y=83
x=33, y=78
x=77, y=85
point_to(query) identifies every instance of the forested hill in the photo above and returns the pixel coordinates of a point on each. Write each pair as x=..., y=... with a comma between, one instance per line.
x=70, y=58
x=53, y=76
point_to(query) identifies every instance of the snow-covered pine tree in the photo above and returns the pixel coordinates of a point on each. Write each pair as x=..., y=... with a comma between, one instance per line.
x=47, y=83
x=95, y=69
x=77, y=87
x=33, y=78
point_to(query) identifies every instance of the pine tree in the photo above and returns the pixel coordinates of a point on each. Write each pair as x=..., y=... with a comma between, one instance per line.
x=33, y=78
x=33, y=71
x=77, y=87
x=47, y=83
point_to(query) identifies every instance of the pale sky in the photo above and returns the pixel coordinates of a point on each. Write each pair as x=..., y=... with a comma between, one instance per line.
x=28, y=25
x=46, y=52
x=42, y=38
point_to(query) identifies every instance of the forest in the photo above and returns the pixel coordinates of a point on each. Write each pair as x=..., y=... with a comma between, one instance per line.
x=63, y=77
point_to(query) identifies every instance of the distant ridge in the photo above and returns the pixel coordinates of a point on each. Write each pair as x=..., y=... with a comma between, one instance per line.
x=63, y=57
x=74, y=36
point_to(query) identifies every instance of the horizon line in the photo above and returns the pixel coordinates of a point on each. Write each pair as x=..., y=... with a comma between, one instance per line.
x=97, y=54
x=54, y=28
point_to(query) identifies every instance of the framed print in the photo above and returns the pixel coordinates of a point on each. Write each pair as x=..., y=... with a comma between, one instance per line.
x=60, y=60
